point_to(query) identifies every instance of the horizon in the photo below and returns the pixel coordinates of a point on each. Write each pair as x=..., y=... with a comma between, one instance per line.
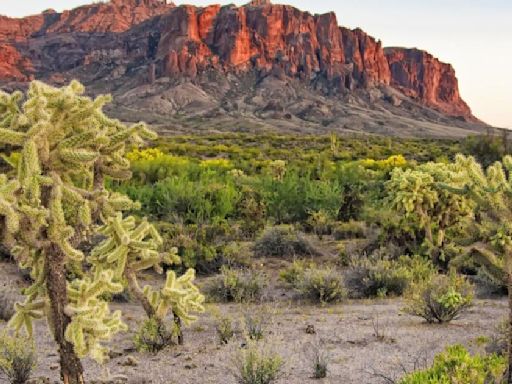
x=478, y=43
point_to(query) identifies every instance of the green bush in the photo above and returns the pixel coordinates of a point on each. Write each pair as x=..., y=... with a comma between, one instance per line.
x=322, y=285
x=320, y=223
x=255, y=365
x=295, y=272
x=225, y=329
x=236, y=254
x=440, y=299
x=349, y=230
x=234, y=285
x=153, y=336
x=299, y=192
x=456, y=366
x=255, y=322
x=251, y=212
x=283, y=241
x=199, y=246
x=17, y=358
x=371, y=277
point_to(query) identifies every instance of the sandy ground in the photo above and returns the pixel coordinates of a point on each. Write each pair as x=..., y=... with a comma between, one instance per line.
x=346, y=331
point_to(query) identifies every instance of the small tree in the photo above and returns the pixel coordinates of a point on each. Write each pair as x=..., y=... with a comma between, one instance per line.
x=54, y=200
x=419, y=194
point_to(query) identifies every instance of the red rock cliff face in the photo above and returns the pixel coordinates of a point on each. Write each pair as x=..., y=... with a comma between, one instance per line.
x=423, y=77
x=273, y=39
x=114, y=16
x=369, y=64
x=185, y=41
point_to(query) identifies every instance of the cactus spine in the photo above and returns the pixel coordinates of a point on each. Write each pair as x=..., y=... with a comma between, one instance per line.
x=55, y=199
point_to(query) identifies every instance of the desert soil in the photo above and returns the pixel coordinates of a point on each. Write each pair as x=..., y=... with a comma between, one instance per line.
x=347, y=332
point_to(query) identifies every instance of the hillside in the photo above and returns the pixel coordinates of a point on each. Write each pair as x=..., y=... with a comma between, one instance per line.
x=253, y=68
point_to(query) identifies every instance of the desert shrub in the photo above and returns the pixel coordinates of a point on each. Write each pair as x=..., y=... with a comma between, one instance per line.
x=487, y=149
x=201, y=201
x=352, y=250
x=295, y=271
x=291, y=198
x=153, y=336
x=256, y=365
x=456, y=365
x=255, y=322
x=251, y=211
x=498, y=342
x=199, y=246
x=234, y=285
x=282, y=241
x=237, y=254
x=390, y=230
x=7, y=301
x=225, y=329
x=349, y=230
x=321, y=285
x=320, y=223
x=370, y=277
x=353, y=180
x=318, y=359
x=17, y=358
x=440, y=299
x=151, y=165
x=206, y=196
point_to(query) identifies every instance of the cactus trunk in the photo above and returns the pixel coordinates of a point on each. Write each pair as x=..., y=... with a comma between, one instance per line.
x=177, y=323
x=148, y=308
x=71, y=367
x=135, y=290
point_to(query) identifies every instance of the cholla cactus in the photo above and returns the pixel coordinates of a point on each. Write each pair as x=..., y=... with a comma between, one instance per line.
x=491, y=190
x=419, y=194
x=55, y=200
x=179, y=294
x=129, y=248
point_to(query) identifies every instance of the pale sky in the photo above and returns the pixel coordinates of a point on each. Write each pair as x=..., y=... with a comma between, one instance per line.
x=475, y=36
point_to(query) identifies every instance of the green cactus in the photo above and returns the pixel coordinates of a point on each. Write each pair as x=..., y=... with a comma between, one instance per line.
x=491, y=191
x=55, y=199
x=419, y=194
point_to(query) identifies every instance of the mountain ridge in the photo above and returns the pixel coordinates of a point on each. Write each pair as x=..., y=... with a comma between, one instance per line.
x=184, y=59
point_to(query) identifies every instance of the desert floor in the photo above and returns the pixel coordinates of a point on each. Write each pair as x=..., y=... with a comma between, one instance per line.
x=367, y=341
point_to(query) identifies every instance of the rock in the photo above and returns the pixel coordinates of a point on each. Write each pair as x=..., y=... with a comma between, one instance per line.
x=125, y=44
x=54, y=367
x=113, y=353
x=423, y=77
x=130, y=362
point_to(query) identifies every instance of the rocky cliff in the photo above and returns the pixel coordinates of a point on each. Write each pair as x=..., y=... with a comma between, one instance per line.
x=170, y=56
x=423, y=77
